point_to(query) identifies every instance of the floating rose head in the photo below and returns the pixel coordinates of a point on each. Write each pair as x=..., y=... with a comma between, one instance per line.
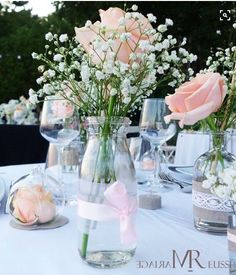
x=33, y=205
x=196, y=99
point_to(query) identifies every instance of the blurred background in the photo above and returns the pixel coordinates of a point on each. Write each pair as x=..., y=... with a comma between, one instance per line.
x=23, y=25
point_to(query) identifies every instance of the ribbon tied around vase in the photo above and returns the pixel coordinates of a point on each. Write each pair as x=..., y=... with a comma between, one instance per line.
x=117, y=205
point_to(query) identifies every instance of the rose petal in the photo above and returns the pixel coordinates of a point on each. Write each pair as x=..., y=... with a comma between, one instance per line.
x=176, y=101
x=110, y=17
x=191, y=117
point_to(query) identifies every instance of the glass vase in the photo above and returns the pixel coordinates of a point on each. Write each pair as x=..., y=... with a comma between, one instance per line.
x=209, y=210
x=107, y=200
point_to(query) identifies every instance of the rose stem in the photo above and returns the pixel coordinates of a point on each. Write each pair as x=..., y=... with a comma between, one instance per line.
x=105, y=134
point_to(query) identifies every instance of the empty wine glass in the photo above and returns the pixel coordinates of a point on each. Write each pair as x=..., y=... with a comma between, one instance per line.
x=154, y=129
x=59, y=124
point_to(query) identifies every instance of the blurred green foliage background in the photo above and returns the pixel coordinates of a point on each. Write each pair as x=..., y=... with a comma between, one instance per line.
x=21, y=33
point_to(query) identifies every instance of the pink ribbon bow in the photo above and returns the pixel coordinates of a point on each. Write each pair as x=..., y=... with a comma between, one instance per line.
x=117, y=204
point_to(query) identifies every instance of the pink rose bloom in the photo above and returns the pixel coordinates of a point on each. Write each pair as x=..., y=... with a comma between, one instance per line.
x=33, y=204
x=196, y=99
x=110, y=19
x=63, y=108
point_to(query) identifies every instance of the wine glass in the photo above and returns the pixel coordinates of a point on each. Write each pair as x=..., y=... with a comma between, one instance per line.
x=59, y=124
x=154, y=129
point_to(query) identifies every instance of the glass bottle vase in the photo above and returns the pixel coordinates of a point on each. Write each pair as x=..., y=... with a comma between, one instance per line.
x=209, y=210
x=107, y=195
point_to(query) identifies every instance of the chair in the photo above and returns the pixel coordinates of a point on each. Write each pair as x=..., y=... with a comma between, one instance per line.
x=191, y=145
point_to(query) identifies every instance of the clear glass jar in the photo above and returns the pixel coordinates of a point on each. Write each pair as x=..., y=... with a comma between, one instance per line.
x=210, y=211
x=107, y=185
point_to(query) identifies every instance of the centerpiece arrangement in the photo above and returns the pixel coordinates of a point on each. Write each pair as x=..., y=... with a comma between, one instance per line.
x=210, y=99
x=106, y=71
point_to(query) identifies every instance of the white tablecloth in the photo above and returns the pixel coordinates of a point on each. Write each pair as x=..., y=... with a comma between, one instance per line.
x=54, y=252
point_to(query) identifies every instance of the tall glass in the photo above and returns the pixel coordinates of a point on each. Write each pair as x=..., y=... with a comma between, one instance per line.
x=154, y=129
x=59, y=124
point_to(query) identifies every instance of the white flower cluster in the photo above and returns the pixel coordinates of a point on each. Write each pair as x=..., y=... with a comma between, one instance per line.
x=223, y=184
x=18, y=112
x=222, y=61
x=115, y=64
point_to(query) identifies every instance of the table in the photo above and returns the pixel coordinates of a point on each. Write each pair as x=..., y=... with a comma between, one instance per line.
x=54, y=252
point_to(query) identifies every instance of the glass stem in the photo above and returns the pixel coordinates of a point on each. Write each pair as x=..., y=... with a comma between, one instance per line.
x=156, y=179
x=59, y=163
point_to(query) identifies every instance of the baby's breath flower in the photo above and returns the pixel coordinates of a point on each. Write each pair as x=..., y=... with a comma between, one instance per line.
x=99, y=75
x=51, y=73
x=144, y=45
x=165, y=44
x=125, y=36
x=134, y=8
x=172, y=83
x=40, y=80
x=166, y=66
x=169, y=22
x=234, y=25
x=41, y=68
x=88, y=24
x=173, y=41
x=61, y=66
x=151, y=18
x=159, y=47
x=113, y=92
x=34, y=55
x=160, y=70
x=162, y=28
x=184, y=41
x=122, y=21
x=135, y=66
x=57, y=57
x=128, y=15
x=33, y=98
x=49, y=36
x=63, y=38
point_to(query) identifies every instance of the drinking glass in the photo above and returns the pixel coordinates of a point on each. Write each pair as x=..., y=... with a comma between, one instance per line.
x=59, y=124
x=154, y=129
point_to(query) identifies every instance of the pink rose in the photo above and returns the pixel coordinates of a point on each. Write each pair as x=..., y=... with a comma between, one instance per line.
x=196, y=99
x=33, y=204
x=110, y=19
x=63, y=108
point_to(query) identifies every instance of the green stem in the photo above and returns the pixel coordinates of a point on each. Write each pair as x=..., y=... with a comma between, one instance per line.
x=84, y=245
x=103, y=153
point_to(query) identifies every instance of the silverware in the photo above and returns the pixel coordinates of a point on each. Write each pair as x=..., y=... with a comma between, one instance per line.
x=169, y=179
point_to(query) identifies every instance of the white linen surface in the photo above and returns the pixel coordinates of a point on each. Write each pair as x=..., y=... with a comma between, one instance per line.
x=54, y=252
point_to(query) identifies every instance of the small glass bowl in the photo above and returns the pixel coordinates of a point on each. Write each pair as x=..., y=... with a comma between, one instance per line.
x=35, y=199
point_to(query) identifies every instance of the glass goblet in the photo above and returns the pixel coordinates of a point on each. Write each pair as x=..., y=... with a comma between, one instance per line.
x=59, y=124
x=154, y=129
